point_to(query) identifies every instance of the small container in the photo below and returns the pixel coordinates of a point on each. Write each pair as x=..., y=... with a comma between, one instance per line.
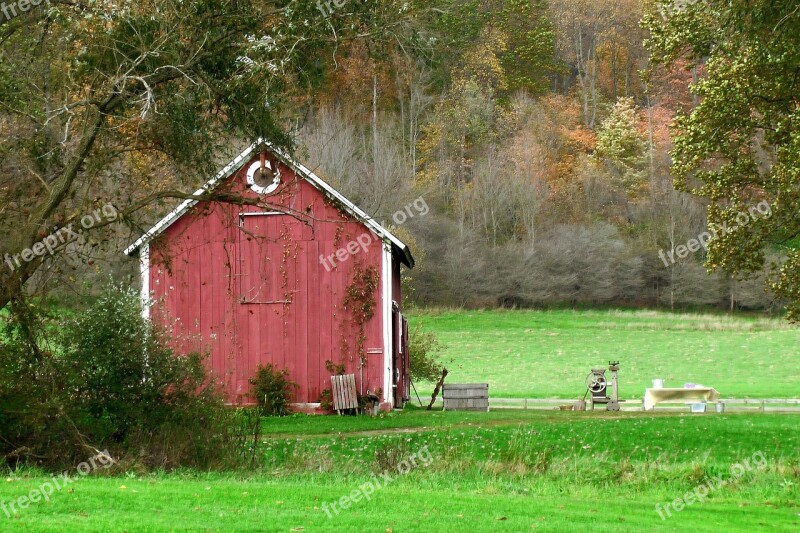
x=720, y=407
x=658, y=383
x=698, y=407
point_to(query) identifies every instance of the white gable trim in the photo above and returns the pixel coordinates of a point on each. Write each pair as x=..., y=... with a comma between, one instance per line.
x=350, y=206
x=179, y=211
x=315, y=180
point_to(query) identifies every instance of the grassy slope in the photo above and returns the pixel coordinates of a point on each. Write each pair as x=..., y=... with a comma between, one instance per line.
x=497, y=472
x=548, y=353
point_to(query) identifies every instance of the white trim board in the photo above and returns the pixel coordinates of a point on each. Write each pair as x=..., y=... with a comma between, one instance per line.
x=386, y=277
x=144, y=269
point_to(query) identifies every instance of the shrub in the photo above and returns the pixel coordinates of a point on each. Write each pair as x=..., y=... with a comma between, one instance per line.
x=111, y=382
x=421, y=348
x=326, y=400
x=30, y=391
x=272, y=390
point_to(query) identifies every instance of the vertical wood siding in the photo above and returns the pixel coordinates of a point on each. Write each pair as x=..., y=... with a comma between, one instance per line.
x=250, y=290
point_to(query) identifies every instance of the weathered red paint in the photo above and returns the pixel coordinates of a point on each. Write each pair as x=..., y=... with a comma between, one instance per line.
x=249, y=288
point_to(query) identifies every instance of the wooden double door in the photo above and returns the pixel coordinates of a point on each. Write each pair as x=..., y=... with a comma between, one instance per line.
x=401, y=364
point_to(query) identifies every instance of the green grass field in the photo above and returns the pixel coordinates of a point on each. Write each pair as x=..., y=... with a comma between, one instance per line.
x=505, y=470
x=508, y=471
x=540, y=354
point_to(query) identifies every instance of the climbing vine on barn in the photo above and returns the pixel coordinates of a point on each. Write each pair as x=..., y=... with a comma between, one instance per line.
x=359, y=302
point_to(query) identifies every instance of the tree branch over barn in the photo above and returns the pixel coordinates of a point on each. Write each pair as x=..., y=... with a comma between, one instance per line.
x=120, y=102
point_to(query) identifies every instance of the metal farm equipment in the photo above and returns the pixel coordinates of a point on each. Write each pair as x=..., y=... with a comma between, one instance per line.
x=597, y=386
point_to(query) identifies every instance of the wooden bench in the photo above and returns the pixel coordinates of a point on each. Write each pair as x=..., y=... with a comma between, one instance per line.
x=466, y=397
x=343, y=391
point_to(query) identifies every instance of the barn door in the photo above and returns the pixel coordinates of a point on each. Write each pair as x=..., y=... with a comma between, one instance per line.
x=400, y=367
x=274, y=251
x=406, y=361
x=267, y=254
x=396, y=392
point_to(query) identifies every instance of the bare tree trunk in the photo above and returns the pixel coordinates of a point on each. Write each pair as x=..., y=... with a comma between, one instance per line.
x=587, y=77
x=59, y=190
x=374, y=120
x=412, y=136
x=651, y=149
x=672, y=246
x=614, y=75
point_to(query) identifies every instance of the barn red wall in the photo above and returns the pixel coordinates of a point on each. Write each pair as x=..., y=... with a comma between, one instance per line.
x=194, y=275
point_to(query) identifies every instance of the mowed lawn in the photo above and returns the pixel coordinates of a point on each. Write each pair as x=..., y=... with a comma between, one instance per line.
x=511, y=471
x=538, y=354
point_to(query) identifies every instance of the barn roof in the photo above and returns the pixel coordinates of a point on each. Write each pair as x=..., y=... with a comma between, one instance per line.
x=403, y=251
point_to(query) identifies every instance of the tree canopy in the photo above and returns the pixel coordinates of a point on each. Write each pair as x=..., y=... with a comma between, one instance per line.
x=117, y=102
x=740, y=145
x=539, y=132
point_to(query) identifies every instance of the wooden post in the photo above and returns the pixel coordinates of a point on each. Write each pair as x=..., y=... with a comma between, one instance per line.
x=437, y=389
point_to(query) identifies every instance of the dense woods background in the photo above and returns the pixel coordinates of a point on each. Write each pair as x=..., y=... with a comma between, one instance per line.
x=537, y=132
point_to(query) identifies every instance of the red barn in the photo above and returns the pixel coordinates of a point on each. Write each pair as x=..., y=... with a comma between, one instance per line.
x=302, y=280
